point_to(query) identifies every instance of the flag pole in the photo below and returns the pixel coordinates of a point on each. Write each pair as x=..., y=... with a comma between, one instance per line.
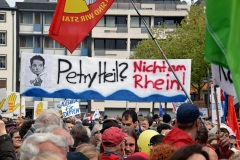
x=216, y=102
x=161, y=51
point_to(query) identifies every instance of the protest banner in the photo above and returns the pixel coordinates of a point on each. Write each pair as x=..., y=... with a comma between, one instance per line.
x=70, y=107
x=13, y=101
x=104, y=79
x=3, y=100
x=39, y=106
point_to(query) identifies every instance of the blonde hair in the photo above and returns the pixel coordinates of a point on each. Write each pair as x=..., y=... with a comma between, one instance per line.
x=88, y=150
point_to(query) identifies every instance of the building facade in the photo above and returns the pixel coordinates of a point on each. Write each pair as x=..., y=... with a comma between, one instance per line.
x=113, y=37
x=7, y=46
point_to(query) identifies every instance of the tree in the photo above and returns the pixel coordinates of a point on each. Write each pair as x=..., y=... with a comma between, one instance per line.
x=186, y=41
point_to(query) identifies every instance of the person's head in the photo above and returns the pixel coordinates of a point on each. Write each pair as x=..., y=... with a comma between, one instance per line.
x=233, y=141
x=59, y=131
x=38, y=143
x=96, y=132
x=46, y=118
x=70, y=123
x=202, y=135
x=190, y=152
x=10, y=124
x=19, y=120
x=107, y=123
x=47, y=156
x=113, y=140
x=188, y=119
x=167, y=118
x=225, y=131
x=209, y=125
x=25, y=127
x=129, y=119
x=163, y=128
x=37, y=64
x=88, y=150
x=16, y=138
x=78, y=130
x=162, y=151
x=144, y=123
x=131, y=141
x=155, y=140
x=80, y=139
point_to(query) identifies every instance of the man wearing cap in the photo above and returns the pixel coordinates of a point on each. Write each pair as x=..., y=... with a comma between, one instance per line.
x=187, y=126
x=113, y=142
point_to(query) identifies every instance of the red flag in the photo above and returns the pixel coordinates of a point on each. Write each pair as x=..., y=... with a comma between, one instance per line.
x=74, y=19
x=232, y=119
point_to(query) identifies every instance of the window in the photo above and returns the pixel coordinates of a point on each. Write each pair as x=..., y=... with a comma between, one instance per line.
x=121, y=21
x=99, y=43
x=110, y=21
x=3, y=62
x=37, y=18
x=121, y=44
x=48, y=42
x=3, y=37
x=113, y=21
x=26, y=41
x=134, y=43
x=158, y=21
x=170, y=21
x=3, y=83
x=110, y=44
x=57, y=45
x=37, y=41
x=26, y=17
x=48, y=18
x=136, y=22
x=2, y=17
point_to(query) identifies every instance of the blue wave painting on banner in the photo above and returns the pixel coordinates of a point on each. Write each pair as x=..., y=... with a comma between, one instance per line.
x=55, y=76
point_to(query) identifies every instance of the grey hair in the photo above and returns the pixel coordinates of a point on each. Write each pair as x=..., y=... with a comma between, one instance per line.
x=95, y=128
x=47, y=155
x=30, y=146
x=46, y=118
x=52, y=128
x=49, y=129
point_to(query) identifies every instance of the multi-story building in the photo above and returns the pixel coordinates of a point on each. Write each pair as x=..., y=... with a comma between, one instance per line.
x=7, y=46
x=113, y=37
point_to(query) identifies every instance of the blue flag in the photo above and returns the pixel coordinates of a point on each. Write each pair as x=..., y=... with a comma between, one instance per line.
x=224, y=106
x=161, y=112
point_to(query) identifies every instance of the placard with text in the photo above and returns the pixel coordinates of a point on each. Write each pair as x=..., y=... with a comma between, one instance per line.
x=57, y=76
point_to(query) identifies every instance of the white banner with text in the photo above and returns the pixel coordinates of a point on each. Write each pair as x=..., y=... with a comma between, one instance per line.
x=57, y=76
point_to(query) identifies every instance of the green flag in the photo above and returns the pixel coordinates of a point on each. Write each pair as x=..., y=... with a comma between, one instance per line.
x=222, y=41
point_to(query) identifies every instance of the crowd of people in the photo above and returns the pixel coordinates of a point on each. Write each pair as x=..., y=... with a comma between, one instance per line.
x=50, y=137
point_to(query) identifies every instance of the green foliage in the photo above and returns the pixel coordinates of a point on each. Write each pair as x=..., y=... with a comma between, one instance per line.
x=186, y=41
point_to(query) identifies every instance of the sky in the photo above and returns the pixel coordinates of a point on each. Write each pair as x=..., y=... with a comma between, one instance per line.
x=12, y=2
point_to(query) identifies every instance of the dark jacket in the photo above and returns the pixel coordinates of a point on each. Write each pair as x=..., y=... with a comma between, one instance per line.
x=7, y=151
x=178, y=138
